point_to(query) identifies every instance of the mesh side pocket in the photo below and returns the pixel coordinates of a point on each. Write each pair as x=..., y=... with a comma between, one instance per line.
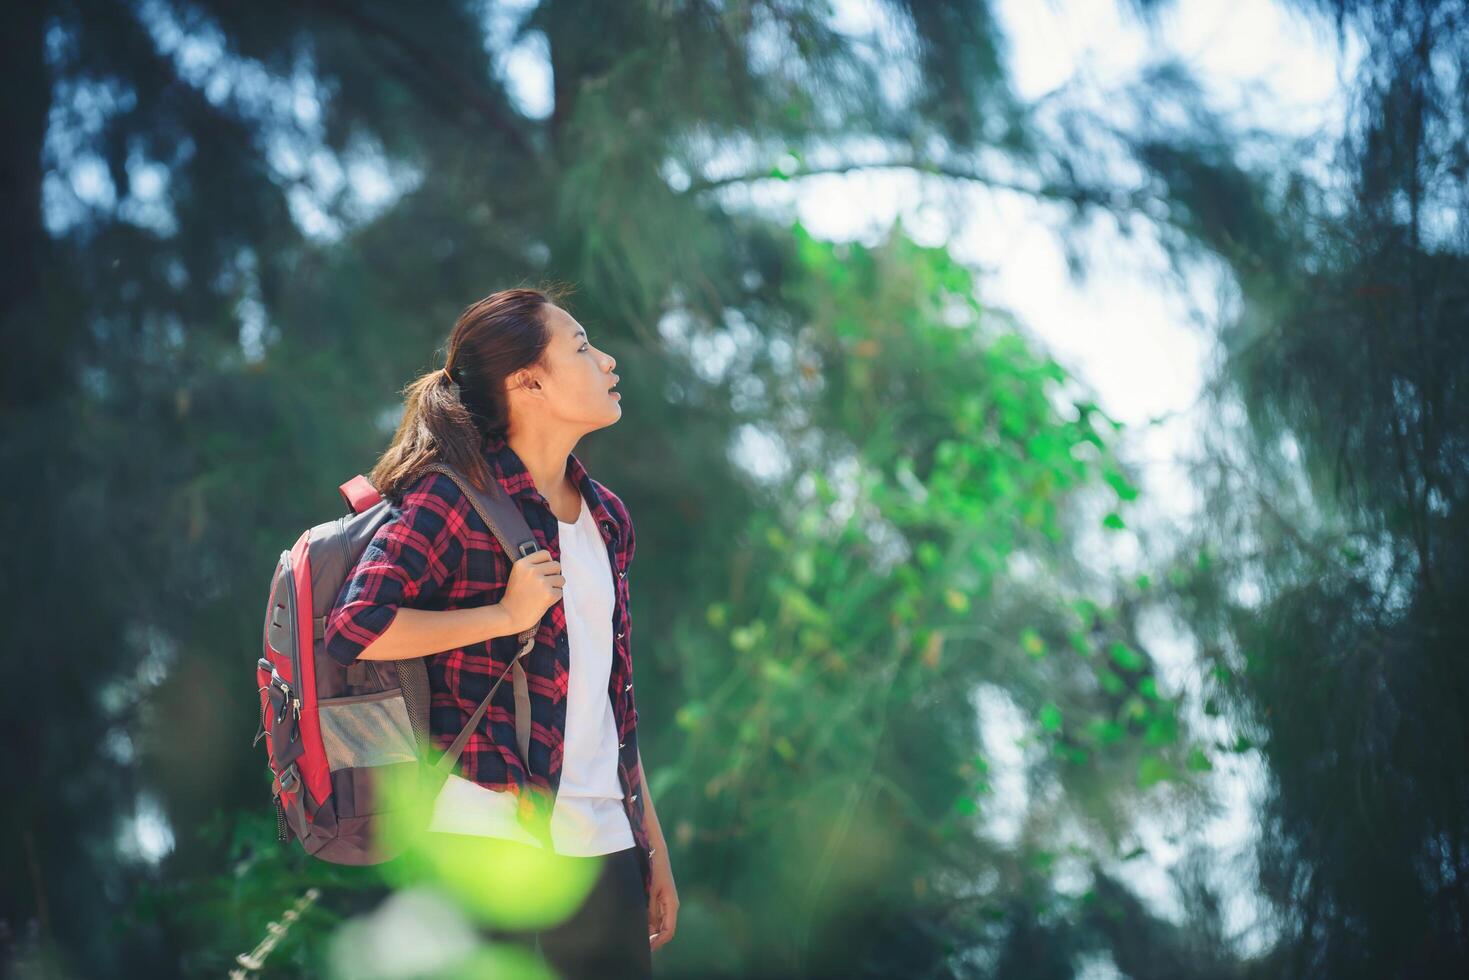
x=366, y=730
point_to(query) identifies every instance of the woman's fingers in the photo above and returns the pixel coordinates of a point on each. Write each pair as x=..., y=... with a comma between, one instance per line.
x=661, y=921
x=655, y=922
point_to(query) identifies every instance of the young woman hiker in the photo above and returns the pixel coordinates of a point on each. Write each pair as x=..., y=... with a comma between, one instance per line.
x=522, y=383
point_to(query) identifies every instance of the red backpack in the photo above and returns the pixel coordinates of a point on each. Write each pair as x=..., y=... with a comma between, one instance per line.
x=333, y=734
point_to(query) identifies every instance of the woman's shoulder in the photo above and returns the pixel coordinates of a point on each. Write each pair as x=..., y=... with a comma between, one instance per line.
x=429, y=487
x=437, y=500
x=433, y=500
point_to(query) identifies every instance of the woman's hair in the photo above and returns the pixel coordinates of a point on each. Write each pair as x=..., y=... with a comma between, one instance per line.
x=446, y=421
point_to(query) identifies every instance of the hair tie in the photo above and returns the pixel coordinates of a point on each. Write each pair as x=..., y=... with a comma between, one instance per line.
x=448, y=375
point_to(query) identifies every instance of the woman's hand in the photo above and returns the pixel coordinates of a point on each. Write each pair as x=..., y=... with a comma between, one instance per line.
x=662, y=900
x=534, y=586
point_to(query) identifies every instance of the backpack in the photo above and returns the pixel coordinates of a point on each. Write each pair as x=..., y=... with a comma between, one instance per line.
x=333, y=734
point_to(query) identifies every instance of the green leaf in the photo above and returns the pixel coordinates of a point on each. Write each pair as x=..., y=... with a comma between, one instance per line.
x=690, y=715
x=803, y=567
x=1152, y=769
x=1198, y=761
x=1161, y=731
x=1113, y=520
x=1050, y=717
x=1105, y=731
x=1119, y=483
x=1125, y=656
x=776, y=672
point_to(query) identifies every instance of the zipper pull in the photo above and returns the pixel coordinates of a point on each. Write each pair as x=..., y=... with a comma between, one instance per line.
x=282, y=832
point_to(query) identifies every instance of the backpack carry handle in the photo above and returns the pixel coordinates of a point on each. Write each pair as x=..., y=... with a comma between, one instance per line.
x=359, y=493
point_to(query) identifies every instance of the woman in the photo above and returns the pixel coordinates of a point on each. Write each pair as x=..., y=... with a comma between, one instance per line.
x=521, y=384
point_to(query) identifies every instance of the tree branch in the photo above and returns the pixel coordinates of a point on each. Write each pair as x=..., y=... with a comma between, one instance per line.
x=1112, y=200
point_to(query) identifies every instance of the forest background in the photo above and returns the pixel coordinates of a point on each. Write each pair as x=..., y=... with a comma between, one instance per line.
x=944, y=668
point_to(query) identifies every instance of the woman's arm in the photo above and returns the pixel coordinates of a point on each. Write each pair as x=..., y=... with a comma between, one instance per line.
x=412, y=558
x=663, y=893
x=650, y=816
x=420, y=632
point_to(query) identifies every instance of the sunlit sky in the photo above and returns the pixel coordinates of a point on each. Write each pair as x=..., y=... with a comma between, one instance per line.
x=1141, y=342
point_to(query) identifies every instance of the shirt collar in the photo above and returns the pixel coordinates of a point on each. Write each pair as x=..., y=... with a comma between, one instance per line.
x=508, y=468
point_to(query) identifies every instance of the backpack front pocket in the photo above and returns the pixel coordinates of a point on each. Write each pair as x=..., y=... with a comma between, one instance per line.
x=362, y=730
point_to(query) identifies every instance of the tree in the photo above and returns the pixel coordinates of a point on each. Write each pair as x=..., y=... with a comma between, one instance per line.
x=1338, y=501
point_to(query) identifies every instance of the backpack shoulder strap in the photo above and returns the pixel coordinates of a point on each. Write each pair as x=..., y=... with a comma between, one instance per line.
x=503, y=517
x=498, y=511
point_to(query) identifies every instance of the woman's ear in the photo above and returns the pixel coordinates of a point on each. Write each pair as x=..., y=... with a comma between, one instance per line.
x=524, y=378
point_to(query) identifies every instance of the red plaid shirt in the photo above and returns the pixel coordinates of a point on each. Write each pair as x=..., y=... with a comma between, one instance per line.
x=434, y=552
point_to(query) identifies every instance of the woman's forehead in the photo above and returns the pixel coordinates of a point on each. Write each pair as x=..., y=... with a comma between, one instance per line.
x=563, y=324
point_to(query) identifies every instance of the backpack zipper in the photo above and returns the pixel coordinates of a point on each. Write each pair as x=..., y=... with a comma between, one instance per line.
x=281, y=833
x=295, y=691
x=392, y=692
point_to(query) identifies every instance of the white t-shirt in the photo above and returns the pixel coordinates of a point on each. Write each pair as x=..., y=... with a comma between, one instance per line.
x=588, y=817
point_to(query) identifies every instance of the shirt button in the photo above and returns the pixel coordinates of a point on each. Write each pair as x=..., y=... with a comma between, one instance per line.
x=622, y=745
x=635, y=797
x=627, y=686
x=619, y=636
x=622, y=574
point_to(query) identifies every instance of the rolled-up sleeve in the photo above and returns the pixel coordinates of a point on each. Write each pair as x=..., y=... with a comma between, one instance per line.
x=411, y=558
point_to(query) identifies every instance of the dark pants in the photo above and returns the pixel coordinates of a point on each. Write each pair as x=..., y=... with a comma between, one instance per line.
x=607, y=936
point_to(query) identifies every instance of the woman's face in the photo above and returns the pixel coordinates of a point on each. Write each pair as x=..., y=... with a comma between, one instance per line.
x=575, y=377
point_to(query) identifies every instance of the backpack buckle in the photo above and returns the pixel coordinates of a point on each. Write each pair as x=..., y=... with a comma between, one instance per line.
x=287, y=698
x=280, y=697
